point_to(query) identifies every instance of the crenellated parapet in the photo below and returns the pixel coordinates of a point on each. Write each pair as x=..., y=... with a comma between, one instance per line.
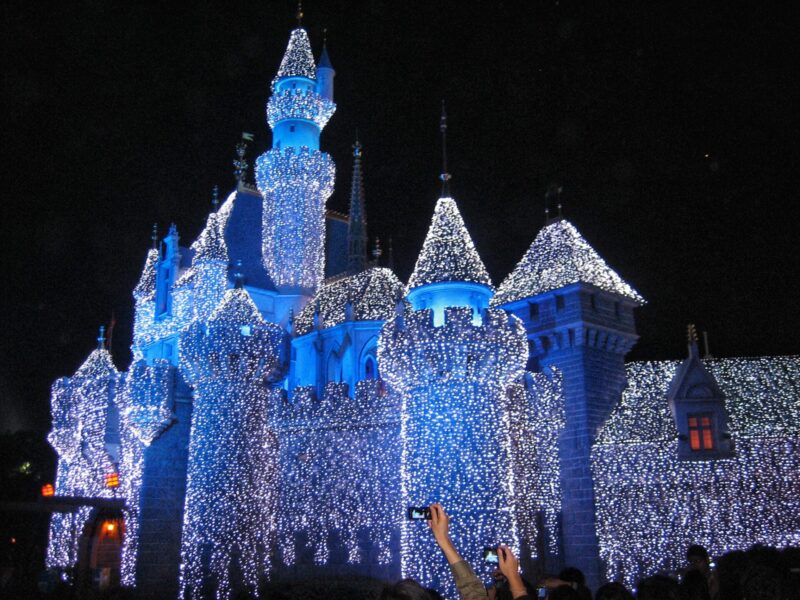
x=413, y=352
x=307, y=105
x=340, y=479
x=371, y=406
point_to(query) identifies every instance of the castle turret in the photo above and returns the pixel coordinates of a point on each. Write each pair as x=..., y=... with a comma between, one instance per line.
x=294, y=177
x=85, y=435
x=357, y=219
x=578, y=314
x=325, y=75
x=231, y=493
x=452, y=380
x=451, y=367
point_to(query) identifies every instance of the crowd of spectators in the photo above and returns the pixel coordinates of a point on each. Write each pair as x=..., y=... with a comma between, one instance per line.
x=760, y=573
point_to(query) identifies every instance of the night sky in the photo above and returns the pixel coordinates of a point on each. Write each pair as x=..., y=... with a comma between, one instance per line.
x=672, y=130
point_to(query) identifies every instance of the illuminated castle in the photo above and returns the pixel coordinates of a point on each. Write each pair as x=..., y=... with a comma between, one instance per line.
x=275, y=423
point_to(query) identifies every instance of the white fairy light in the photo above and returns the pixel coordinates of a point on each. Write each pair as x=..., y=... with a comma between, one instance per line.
x=651, y=505
x=558, y=257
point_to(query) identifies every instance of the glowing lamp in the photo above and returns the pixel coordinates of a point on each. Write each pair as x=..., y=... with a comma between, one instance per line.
x=112, y=480
x=48, y=490
x=110, y=526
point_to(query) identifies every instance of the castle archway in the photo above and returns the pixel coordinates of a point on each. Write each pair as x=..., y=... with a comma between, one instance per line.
x=100, y=552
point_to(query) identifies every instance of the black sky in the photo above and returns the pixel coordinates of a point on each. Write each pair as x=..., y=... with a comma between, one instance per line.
x=673, y=130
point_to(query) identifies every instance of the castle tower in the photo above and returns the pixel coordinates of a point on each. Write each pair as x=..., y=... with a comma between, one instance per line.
x=578, y=314
x=451, y=374
x=85, y=435
x=294, y=177
x=231, y=490
x=357, y=219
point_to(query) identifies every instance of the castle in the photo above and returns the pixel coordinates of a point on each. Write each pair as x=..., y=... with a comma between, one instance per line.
x=288, y=400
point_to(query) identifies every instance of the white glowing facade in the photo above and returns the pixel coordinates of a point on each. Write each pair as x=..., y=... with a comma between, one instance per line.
x=277, y=423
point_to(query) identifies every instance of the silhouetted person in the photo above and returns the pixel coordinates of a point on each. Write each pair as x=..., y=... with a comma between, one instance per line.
x=694, y=586
x=657, y=587
x=613, y=591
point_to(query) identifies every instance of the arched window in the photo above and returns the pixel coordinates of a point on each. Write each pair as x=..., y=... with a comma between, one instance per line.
x=369, y=360
x=370, y=368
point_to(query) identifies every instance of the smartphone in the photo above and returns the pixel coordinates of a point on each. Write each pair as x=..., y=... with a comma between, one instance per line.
x=419, y=513
x=541, y=592
x=490, y=555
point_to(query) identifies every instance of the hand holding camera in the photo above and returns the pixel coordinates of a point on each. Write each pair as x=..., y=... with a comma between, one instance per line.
x=509, y=566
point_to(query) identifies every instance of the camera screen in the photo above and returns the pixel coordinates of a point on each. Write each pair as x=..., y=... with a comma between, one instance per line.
x=542, y=592
x=490, y=555
x=419, y=513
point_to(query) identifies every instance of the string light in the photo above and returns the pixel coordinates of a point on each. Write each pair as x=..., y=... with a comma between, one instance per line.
x=558, y=257
x=80, y=406
x=454, y=431
x=229, y=515
x=273, y=483
x=651, y=505
x=298, y=60
x=371, y=294
x=340, y=464
x=448, y=253
x=299, y=104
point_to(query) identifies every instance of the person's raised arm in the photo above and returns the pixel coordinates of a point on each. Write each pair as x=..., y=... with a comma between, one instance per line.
x=469, y=586
x=509, y=566
x=440, y=526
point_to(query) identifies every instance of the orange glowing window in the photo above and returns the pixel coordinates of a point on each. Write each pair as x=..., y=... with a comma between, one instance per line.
x=48, y=490
x=112, y=480
x=701, y=432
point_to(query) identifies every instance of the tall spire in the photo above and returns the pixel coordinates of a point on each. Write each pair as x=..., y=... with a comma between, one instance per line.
x=445, y=176
x=357, y=228
x=553, y=192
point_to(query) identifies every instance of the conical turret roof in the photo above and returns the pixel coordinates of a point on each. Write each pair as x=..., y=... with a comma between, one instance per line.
x=448, y=253
x=210, y=245
x=147, y=281
x=560, y=256
x=298, y=60
x=237, y=307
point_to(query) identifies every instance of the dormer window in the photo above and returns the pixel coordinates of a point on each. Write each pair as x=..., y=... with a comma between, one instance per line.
x=701, y=432
x=698, y=408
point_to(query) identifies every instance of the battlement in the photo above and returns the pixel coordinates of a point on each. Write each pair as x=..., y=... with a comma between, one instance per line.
x=413, y=351
x=372, y=406
x=307, y=105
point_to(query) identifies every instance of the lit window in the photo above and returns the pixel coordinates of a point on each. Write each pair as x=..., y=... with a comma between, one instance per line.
x=701, y=432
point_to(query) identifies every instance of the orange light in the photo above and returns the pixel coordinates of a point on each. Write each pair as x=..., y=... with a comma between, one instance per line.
x=109, y=527
x=112, y=480
x=13, y=540
x=48, y=490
